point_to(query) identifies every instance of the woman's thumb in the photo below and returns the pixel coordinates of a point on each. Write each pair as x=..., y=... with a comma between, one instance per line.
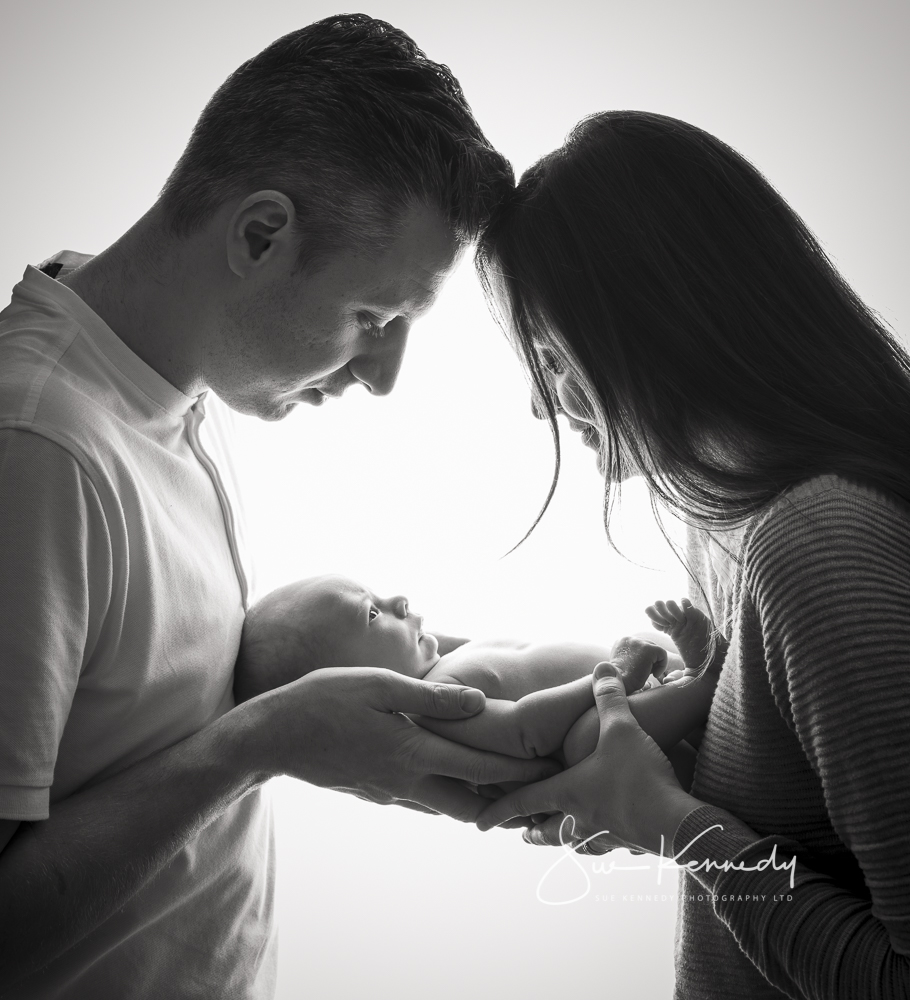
x=609, y=690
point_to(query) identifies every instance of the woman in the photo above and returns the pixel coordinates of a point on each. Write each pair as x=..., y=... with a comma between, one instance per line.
x=665, y=299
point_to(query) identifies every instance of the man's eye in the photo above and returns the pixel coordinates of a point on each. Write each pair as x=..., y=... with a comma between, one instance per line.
x=374, y=614
x=370, y=325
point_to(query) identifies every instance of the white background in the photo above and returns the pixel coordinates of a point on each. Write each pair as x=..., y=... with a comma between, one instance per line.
x=424, y=491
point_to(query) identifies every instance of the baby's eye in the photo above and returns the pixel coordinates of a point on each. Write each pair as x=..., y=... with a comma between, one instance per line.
x=374, y=613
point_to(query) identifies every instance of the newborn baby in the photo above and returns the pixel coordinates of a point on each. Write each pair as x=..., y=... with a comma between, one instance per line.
x=538, y=696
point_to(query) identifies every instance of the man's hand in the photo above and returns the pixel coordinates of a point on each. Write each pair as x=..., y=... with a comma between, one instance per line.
x=344, y=728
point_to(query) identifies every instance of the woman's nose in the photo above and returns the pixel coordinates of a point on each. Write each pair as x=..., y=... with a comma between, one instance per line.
x=539, y=410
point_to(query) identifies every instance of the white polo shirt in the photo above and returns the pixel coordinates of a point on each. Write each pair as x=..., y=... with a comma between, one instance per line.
x=122, y=597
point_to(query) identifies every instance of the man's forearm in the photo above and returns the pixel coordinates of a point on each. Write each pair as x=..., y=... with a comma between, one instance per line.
x=62, y=877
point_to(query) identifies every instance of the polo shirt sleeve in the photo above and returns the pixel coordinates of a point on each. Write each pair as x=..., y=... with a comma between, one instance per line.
x=55, y=582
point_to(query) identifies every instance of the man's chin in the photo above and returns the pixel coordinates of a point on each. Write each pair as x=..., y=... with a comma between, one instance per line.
x=269, y=410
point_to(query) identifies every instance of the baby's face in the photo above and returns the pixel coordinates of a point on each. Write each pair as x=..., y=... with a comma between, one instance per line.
x=371, y=631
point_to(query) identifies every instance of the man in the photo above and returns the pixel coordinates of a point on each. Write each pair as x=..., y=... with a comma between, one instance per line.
x=324, y=196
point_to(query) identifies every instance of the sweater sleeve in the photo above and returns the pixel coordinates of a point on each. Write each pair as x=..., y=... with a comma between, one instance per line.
x=55, y=579
x=830, y=581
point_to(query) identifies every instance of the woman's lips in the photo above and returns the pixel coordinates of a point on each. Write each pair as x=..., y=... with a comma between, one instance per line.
x=591, y=438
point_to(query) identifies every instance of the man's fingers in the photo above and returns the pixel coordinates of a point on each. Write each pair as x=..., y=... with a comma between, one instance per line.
x=539, y=798
x=449, y=797
x=432, y=754
x=416, y=806
x=408, y=695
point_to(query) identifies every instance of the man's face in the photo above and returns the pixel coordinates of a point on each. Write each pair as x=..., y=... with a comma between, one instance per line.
x=291, y=337
x=371, y=631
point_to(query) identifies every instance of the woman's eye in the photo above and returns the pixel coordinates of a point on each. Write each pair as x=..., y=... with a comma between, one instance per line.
x=374, y=614
x=551, y=363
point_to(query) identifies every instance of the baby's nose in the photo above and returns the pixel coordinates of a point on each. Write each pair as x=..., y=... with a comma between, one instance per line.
x=401, y=606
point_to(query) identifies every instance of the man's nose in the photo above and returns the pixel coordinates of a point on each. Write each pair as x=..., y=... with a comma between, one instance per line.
x=378, y=366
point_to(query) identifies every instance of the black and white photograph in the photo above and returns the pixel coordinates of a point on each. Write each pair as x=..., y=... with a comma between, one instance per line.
x=493, y=412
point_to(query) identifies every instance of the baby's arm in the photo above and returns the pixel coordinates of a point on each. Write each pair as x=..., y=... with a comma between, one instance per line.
x=533, y=726
x=538, y=724
x=504, y=668
x=667, y=713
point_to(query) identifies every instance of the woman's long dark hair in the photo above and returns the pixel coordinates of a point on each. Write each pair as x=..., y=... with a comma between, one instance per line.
x=720, y=351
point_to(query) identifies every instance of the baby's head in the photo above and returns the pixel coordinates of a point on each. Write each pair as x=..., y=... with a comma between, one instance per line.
x=328, y=621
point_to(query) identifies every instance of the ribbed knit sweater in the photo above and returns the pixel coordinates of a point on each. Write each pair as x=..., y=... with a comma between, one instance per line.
x=808, y=744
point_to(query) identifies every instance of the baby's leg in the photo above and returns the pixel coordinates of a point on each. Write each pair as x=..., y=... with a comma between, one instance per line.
x=533, y=726
x=690, y=629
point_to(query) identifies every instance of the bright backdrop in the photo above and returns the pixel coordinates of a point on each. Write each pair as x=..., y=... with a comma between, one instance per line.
x=424, y=491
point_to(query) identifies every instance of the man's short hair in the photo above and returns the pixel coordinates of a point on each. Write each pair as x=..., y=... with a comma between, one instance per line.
x=351, y=121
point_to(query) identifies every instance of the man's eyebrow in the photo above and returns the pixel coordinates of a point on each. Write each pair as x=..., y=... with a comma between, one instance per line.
x=414, y=300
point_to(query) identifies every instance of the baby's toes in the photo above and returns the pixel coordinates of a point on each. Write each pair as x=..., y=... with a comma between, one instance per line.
x=659, y=620
x=676, y=611
x=664, y=612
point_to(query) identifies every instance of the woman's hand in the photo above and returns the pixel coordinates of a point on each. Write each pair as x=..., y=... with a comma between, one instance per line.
x=624, y=794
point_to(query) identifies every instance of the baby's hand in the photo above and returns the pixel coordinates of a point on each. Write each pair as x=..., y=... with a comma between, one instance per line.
x=637, y=660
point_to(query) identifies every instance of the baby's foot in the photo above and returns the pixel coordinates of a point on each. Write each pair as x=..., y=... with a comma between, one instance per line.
x=700, y=646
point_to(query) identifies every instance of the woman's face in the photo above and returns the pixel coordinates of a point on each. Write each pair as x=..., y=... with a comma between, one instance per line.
x=573, y=403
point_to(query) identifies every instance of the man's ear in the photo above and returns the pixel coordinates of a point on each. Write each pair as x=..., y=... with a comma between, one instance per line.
x=260, y=230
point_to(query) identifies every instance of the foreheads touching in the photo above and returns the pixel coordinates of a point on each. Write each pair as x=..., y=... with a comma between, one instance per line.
x=326, y=192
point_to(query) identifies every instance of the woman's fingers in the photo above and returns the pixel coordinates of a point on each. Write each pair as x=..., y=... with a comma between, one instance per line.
x=562, y=831
x=541, y=797
x=552, y=832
